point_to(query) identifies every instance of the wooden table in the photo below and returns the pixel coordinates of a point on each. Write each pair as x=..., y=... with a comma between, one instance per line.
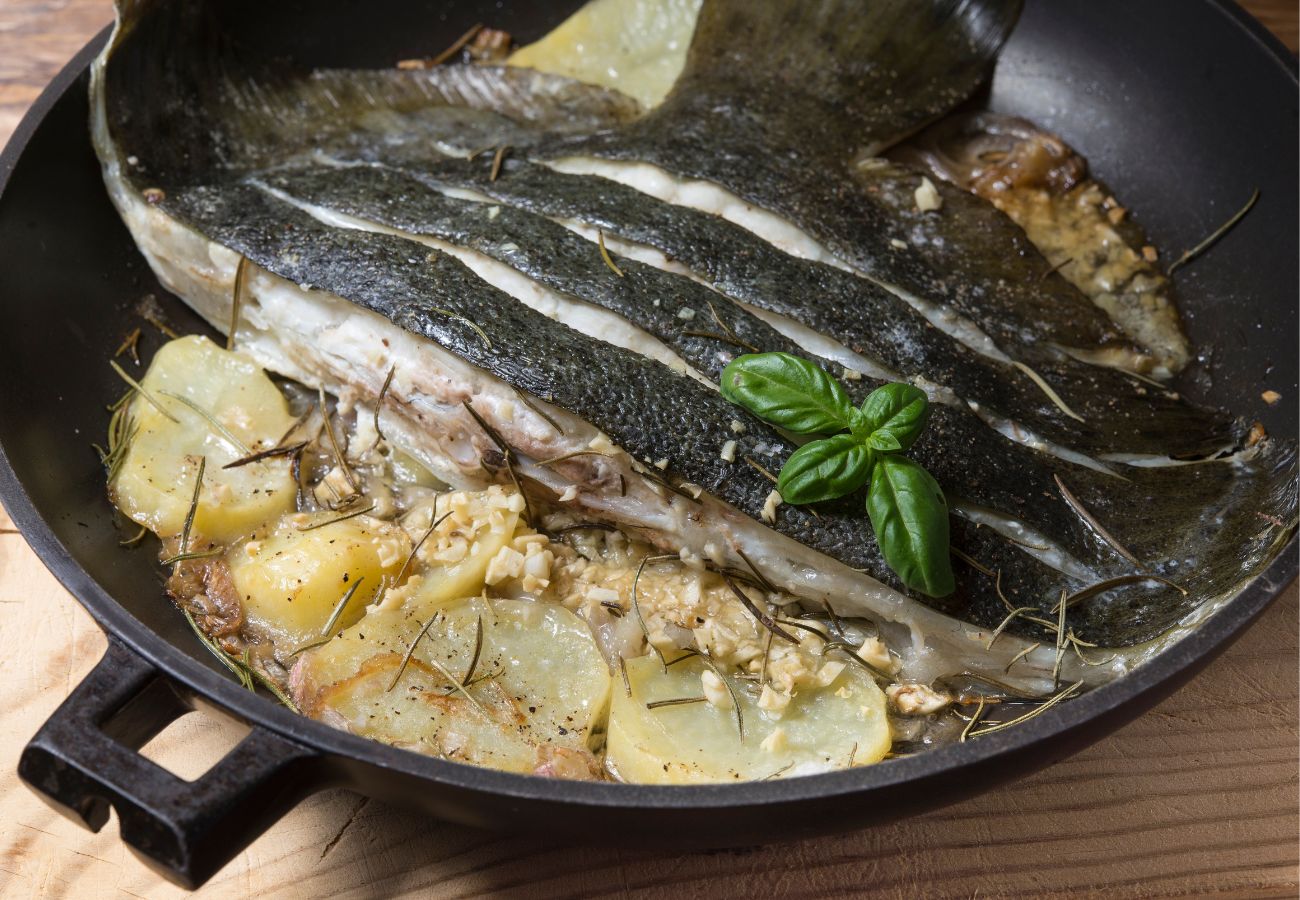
x=1196, y=797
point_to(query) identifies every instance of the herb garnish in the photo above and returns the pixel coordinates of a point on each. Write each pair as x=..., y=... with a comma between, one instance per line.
x=860, y=447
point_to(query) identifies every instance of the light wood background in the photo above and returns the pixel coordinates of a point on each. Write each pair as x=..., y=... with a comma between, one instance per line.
x=1197, y=797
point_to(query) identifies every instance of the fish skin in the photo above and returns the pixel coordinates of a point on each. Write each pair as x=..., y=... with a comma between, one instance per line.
x=1119, y=415
x=765, y=138
x=971, y=461
x=184, y=174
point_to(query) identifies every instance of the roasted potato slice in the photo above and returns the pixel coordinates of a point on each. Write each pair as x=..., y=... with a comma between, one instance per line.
x=828, y=728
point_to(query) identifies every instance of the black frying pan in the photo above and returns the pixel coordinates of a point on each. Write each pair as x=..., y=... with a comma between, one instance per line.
x=1183, y=107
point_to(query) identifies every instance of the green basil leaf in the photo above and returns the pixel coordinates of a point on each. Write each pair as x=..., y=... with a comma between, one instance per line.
x=910, y=517
x=899, y=409
x=787, y=391
x=884, y=441
x=824, y=470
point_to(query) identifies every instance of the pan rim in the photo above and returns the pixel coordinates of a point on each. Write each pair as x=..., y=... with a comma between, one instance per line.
x=1147, y=681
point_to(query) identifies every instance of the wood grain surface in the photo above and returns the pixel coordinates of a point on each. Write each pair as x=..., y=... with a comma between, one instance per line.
x=1198, y=797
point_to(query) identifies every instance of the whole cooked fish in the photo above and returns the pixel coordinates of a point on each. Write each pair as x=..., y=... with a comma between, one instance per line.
x=748, y=211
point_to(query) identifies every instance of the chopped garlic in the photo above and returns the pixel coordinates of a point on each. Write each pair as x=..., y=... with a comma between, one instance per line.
x=686, y=313
x=875, y=653
x=506, y=410
x=729, y=451
x=927, y=196
x=570, y=494
x=827, y=674
x=916, y=699
x=715, y=691
x=897, y=244
x=737, y=426
x=850, y=374
x=493, y=212
x=769, y=507
x=661, y=464
x=508, y=563
x=773, y=701
x=774, y=742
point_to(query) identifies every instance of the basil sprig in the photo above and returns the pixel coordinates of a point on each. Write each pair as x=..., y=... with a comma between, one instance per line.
x=862, y=446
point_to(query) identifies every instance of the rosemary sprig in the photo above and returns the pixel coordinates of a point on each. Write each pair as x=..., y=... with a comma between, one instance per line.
x=216, y=426
x=132, y=541
x=379, y=402
x=979, y=711
x=622, y=669
x=1047, y=389
x=1214, y=235
x=726, y=682
x=1091, y=520
x=498, y=158
x=636, y=605
x=282, y=450
x=478, y=650
x=433, y=524
x=604, y=254
x=675, y=701
x=1033, y=713
x=456, y=46
x=244, y=670
x=540, y=412
x=236, y=301
x=1021, y=655
x=131, y=344
x=410, y=651
x=763, y=618
x=508, y=453
x=339, y=458
x=194, y=506
x=337, y=612
x=337, y=519
x=709, y=335
x=141, y=391
x=194, y=554
x=1101, y=587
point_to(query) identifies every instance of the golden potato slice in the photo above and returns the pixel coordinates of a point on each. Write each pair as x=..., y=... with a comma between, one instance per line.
x=291, y=581
x=155, y=483
x=472, y=528
x=827, y=728
x=634, y=46
x=538, y=687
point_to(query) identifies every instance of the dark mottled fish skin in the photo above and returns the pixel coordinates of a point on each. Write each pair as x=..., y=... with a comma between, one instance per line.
x=970, y=461
x=164, y=112
x=1120, y=415
x=761, y=136
x=643, y=406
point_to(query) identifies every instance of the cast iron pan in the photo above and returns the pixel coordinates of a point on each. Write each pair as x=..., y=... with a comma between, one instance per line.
x=1183, y=107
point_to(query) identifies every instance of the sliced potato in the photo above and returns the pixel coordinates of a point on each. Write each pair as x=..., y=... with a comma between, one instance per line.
x=473, y=527
x=634, y=46
x=538, y=688
x=291, y=581
x=155, y=483
x=698, y=742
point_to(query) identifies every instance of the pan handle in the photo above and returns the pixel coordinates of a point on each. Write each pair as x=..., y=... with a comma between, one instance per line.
x=84, y=760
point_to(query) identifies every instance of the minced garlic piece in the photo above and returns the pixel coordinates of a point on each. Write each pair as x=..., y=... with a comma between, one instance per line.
x=508, y=563
x=570, y=494
x=916, y=699
x=769, y=507
x=850, y=374
x=774, y=742
x=737, y=426
x=729, y=451
x=827, y=674
x=686, y=313
x=715, y=691
x=875, y=653
x=506, y=410
x=773, y=701
x=927, y=196
x=897, y=244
